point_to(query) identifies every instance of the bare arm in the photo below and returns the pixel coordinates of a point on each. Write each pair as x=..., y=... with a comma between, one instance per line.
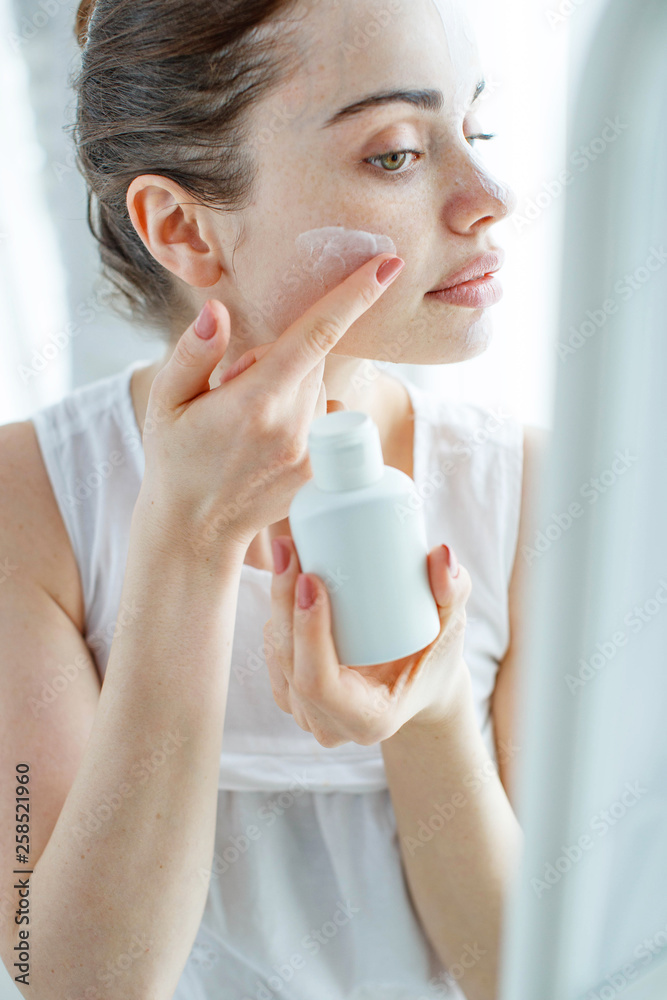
x=503, y=701
x=459, y=839
x=120, y=872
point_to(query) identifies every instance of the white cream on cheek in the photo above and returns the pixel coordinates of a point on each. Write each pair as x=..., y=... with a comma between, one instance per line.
x=331, y=254
x=322, y=259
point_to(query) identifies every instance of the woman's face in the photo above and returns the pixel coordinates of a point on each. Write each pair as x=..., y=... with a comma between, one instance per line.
x=333, y=189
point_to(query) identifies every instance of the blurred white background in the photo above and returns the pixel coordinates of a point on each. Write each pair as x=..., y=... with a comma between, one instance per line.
x=53, y=317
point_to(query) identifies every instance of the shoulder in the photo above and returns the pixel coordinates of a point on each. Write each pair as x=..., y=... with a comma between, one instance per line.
x=32, y=533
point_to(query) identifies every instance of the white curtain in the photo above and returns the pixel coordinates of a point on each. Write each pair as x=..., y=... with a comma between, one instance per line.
x=34, y=369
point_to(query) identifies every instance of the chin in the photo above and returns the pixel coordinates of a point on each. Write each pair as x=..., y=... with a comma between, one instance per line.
x=462, y=344
x=476, y=337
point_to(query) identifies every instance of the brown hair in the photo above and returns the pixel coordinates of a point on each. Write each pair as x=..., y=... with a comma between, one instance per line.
x=163, y=88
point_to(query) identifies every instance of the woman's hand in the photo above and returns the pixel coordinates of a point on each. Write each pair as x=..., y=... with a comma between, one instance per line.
x=223, y=463
x=365, y=705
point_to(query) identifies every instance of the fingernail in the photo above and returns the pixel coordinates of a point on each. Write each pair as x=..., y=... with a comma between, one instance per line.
x=390, y=269
x=206, y=325
x=452, y=561
x=281, y=556
x=305, y=592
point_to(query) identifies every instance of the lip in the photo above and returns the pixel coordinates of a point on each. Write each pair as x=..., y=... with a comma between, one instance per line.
x=486, y=263
x=475, y=285
x=478, y=294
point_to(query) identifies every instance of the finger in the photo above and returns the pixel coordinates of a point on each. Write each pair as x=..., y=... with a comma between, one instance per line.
x=308, y=341
x=316, y=667
x=282, y=614
x=450, y=582
x=246, y=361
x=198, y=351
x=279, y=685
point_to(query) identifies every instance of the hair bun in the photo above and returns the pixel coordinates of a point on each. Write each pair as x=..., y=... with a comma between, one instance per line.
x=82, y=20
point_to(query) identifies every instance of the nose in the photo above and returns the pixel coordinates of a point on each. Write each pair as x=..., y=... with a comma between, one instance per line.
x=477, y=199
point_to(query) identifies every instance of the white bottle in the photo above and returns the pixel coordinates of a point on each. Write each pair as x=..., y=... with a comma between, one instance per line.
x=358, y=525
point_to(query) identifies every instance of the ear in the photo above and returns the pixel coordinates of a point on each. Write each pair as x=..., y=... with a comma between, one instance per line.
x=180, y=234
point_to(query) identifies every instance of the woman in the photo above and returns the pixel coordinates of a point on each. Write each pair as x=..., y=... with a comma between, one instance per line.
x=233, y=813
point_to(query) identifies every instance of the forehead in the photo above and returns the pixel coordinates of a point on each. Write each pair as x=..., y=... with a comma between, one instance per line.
x=352, y=48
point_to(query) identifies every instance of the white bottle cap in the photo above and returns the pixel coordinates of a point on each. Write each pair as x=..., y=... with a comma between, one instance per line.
x=345, y=451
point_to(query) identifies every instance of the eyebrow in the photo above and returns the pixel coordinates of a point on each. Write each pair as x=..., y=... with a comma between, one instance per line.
x=425, y=100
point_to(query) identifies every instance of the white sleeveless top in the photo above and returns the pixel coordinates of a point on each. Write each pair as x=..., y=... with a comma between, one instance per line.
x=307, y=895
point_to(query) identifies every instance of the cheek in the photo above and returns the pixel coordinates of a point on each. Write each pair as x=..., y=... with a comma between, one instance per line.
x=328, y=256
x=322, y=259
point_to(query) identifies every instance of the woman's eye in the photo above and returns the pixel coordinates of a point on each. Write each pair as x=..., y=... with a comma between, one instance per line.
x=394, y=160
x=480, y=135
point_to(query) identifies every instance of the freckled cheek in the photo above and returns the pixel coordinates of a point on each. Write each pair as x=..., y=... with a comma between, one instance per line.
x=287, y=298
x=321, y=259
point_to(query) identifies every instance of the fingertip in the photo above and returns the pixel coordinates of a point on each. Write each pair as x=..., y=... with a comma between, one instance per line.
x=306, y=591
x=335, y=406
x=389, y=270
x=206, y=324
x=452, y=561
x=440, y=575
